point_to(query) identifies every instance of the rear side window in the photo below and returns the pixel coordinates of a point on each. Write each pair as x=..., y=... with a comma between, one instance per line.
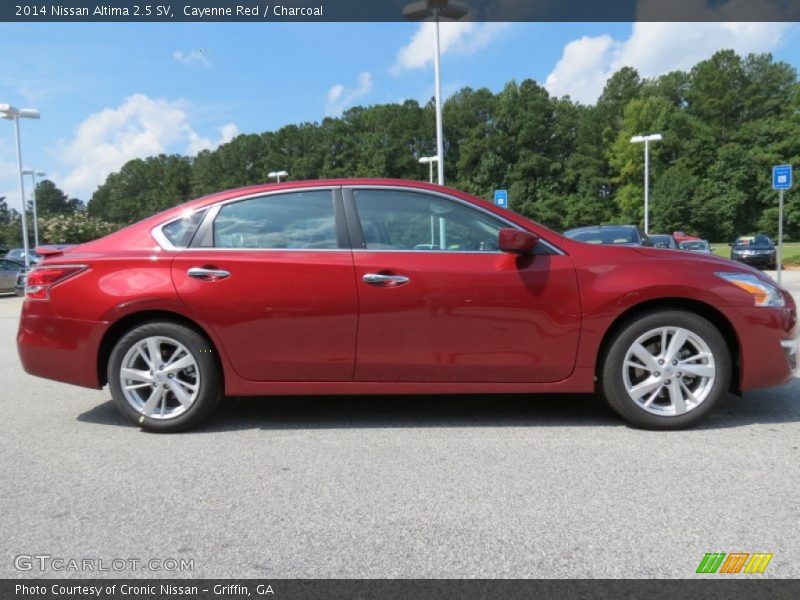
x=296, y=220
x=181, y=232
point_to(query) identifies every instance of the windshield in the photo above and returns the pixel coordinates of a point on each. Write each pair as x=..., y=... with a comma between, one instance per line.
x=606, y=235
x=755, y=241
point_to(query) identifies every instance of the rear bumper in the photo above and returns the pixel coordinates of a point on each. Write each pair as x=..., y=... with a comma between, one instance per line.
x=57, y=348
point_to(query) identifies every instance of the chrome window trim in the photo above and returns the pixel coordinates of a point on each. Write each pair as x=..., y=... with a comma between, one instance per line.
x=212, y=210
x=489, y=213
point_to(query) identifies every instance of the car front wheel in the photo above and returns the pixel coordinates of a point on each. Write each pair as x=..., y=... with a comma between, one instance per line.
x=164, y=377
x=666, y=370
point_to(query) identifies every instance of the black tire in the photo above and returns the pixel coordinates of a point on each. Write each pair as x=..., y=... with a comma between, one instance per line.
x=612, y=384
x=210, y=390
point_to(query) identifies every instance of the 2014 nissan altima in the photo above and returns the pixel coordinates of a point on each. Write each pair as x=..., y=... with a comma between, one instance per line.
x=393, y=287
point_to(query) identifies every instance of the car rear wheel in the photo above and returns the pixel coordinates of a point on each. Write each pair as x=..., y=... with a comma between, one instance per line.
x=666, y=370
x=164, y=377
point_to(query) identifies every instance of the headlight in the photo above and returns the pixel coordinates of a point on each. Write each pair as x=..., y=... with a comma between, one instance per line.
x=764, y=294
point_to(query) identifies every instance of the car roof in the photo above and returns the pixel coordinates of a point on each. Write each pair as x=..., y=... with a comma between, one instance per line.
x=307, y=183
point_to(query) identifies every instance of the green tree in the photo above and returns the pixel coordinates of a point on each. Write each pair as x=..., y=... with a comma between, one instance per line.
x=141, y=188
x=50, y=200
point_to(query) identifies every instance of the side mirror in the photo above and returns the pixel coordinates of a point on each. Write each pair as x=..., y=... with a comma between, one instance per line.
x=517, y=241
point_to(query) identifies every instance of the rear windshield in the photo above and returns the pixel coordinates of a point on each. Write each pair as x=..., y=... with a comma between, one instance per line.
x=661, y=239
x=694, y=245
x=610, y=235
x=181, y=232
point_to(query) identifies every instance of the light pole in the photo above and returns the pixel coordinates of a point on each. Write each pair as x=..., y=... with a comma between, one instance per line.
x=34, y=175
x=436, y=9
x=638, y=139
x=277, y=175
x=429, y=160
x=15, y=114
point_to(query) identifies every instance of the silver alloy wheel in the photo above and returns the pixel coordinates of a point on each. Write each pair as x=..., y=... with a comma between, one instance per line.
x=669, y=371
x=159, y=377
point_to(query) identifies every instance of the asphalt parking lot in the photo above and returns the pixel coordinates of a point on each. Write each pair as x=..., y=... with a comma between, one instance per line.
x=485, y=486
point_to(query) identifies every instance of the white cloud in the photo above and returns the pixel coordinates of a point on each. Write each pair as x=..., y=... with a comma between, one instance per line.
x=199, y=143
x=340, y=97
x=187, y=58
x=653, y=49
x=454, y=37
x=138, y=128
x=583, y=68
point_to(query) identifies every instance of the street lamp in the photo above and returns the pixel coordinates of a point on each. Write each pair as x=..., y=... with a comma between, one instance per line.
x=436, y=9
x=277, y=175
x=11, y=113
x=638, y=139
x=34, y=175
x=429, y=160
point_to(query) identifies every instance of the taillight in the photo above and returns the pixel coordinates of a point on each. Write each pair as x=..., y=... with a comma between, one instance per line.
x=39, y=280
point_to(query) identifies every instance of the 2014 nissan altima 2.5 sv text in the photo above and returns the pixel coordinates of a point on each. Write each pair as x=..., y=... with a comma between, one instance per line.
x=393, y=287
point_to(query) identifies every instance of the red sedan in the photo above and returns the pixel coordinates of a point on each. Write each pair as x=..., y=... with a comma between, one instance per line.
x=393, y=287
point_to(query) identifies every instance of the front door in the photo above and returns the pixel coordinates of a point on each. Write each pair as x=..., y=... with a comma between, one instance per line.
x=440, y=303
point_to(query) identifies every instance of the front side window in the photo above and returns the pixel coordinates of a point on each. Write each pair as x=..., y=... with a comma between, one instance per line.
x=296, y=220
x=401, y=220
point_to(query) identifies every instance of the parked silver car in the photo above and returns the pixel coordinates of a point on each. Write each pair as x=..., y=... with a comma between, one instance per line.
x=9, y=270
x=701, y=246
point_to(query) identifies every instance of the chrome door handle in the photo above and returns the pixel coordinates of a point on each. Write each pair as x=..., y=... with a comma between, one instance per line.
x=385, y=280
x=208, y=274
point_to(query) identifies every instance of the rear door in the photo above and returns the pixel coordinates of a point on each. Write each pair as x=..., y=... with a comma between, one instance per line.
x=440, y=303
x=273, y=276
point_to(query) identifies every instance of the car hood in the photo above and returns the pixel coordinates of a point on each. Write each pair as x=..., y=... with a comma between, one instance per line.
x=682, y=254
x=723, y=264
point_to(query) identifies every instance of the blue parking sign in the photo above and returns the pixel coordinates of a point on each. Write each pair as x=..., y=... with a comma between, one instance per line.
x=782, y=177
x=501, y=198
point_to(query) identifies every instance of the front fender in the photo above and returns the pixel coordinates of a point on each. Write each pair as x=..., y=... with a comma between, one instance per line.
x=611, y=289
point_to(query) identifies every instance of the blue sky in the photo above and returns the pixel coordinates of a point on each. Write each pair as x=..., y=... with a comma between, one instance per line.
x=112, y=92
